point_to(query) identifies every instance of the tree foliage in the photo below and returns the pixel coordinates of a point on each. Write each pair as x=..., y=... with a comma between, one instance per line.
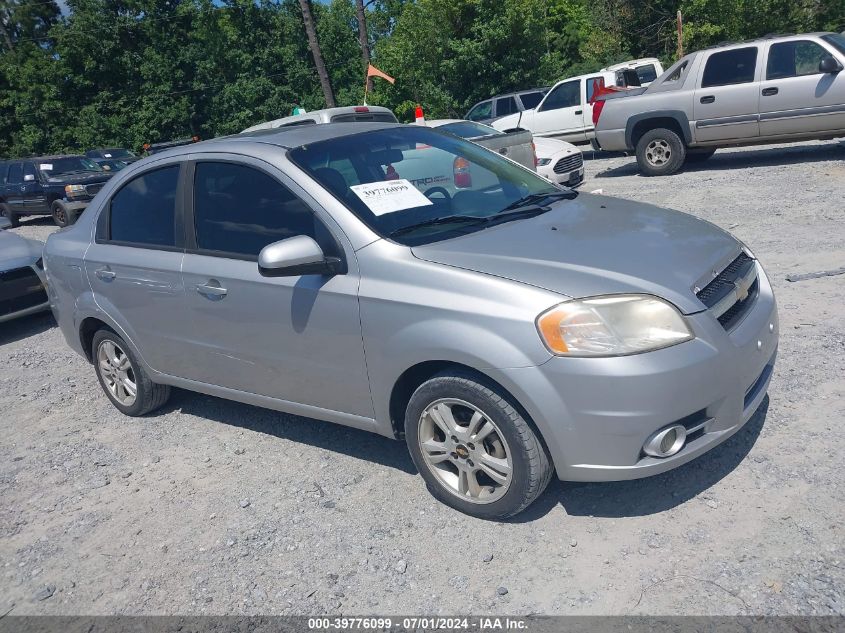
x=125, y=72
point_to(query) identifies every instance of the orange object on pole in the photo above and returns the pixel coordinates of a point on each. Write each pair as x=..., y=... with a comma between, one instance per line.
x=372, y=71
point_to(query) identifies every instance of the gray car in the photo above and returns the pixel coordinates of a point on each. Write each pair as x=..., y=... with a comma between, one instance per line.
x=21, y=275
x=508, y=331
x=772, y=90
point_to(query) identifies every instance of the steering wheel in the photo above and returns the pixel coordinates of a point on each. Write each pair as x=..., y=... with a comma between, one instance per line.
x=433, y=190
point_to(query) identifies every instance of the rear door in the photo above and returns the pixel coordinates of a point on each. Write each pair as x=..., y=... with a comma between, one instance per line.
x=134, y=265
x=726, y=99
x=34, y=199
x=795, y=96
x=561, y=113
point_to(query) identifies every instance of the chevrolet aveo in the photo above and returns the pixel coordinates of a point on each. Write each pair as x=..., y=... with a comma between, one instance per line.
x=404, y=281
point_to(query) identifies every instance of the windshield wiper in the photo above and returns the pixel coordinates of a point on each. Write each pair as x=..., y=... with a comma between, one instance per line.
x=449, y=219
x=535, y=198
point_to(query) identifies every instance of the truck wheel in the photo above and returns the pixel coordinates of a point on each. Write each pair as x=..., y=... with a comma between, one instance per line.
x=6, y=212
x=62, y=216
x=473, y=448
x=699, y=156
x=660, y=152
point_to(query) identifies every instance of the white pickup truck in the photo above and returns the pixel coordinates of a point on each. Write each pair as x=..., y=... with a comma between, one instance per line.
x=566, y=112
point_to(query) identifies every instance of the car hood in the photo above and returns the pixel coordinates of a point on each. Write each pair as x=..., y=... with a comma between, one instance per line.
x=594, y=245
x=80, y=178
x=547, y=147
x=17, y=251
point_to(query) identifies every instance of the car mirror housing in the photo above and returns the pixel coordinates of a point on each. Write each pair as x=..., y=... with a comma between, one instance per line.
x=295, y=256
x=829, y=65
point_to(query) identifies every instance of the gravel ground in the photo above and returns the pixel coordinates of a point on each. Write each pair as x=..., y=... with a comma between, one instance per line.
x=213, y=507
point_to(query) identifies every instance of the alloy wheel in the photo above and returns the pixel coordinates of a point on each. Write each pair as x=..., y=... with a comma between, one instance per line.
x=658, y=152
x=117, y=373
x=465, y=450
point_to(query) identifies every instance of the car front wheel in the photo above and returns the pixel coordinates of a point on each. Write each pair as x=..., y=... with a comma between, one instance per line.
x=474, y=449
x=122, y=377
x=13, y=218
x=660, y=152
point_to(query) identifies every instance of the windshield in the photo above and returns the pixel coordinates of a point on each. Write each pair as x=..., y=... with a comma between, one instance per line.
x=836, y=40
x=116, y=153
x=58, y=166
x=407, y=182
x=468, y=129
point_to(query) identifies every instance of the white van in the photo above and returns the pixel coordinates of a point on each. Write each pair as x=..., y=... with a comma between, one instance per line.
x=566, y=112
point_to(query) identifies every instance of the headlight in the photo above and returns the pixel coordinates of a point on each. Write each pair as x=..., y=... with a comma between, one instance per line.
x=542, y=162
x=74, y=190
x=614, y=325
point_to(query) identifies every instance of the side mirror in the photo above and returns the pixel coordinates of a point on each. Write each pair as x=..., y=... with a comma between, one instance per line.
x=829, y=65
x=296, y=256
x=28, y=178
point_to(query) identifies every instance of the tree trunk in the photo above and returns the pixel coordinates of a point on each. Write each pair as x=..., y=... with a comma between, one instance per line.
x=364, y=40
x=314, y=45
x=6, y=39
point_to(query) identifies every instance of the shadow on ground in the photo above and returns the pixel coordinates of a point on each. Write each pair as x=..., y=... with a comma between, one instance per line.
x=325, y=435
x=26, y=327
x=725, y=159
x=641, y=497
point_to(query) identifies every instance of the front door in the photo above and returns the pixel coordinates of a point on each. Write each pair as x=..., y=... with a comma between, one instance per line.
x=291, y=338
x=134, y=266
x=726, y=100
x=796, y=97
x=561, y=113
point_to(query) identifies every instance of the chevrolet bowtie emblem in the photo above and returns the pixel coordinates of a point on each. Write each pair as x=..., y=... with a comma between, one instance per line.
x=742, y=286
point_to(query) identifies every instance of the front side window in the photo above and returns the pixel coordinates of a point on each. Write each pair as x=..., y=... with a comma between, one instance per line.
x=238, y=210
x=794, y=59
x=566, y=95
x=731, y=67
x=416, y=185
x=506, y=105
x=483, y=110
x=15, y=173
x=143, y=211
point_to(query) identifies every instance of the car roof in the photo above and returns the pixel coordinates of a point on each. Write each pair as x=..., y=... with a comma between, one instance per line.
x=319, y=116
x=778, y=37
x=514, y=93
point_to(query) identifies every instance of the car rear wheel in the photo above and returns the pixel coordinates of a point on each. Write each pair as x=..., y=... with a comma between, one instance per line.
x=123, y=378
x=660, y=152
x=13, y=218
x=473, y=448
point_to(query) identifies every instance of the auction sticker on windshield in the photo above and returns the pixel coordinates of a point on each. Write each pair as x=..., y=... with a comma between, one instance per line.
x=46, y=167
x=390, y=196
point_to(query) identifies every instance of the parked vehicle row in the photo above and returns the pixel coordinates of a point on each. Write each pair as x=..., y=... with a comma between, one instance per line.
x=481, y=323
x=775, y=89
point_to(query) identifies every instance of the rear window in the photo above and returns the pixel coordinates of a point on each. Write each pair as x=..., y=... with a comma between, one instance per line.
x=730, y=67
x=531, y=99
x=468, y=129
x=647, y=73
x=353, y=117
x=143, y=212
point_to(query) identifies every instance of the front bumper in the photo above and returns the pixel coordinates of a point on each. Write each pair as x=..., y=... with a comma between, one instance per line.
x=570, y=179
x=595, y=414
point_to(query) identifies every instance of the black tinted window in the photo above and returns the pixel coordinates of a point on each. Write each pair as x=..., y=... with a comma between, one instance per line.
x=483, y=110
x=646, y=73
x=144, y=210
x=506, y=105
x=564, y=96
x=730, y=67
x=794, y=59
x=240, y=210
x=15, y=173
x=531, y=99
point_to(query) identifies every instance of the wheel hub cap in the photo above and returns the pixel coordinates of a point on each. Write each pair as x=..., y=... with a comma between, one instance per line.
x=117, y=373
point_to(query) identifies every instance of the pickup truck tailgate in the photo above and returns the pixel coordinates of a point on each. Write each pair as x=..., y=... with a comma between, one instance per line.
x=518, y=146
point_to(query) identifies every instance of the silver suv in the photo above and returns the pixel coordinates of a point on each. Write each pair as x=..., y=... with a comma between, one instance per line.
x=505, y=328
x=775, y=89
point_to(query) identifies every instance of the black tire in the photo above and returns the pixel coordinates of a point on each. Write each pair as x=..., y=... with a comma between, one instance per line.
x=6, y=212
x=660, y=152
x=61, y=216
x=699, y=156
x=149, y=395
x=531, y=467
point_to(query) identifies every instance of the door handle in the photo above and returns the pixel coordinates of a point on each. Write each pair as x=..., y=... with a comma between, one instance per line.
x=212, y=292
x=768, y=92
x=708, y=99
x=105, y=274
x=579, y=112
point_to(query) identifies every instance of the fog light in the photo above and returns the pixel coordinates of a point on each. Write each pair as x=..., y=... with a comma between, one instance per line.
x=666, y=442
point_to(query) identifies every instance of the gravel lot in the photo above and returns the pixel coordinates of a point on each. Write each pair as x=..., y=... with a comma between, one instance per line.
x=213, y=507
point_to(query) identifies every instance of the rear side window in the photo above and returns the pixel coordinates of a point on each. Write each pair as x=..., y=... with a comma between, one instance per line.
x=794, y=59
x=15, y=173
x=506, y=105
x=483, y=110
x=730, y=67
x=238, y=210
x=143, y=212
x=531, y=99
x=566, y=95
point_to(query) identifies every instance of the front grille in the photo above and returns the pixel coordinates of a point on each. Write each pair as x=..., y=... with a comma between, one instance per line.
x=93, y=189
x=724, y=294
x=569, y=163
x=20, y=289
